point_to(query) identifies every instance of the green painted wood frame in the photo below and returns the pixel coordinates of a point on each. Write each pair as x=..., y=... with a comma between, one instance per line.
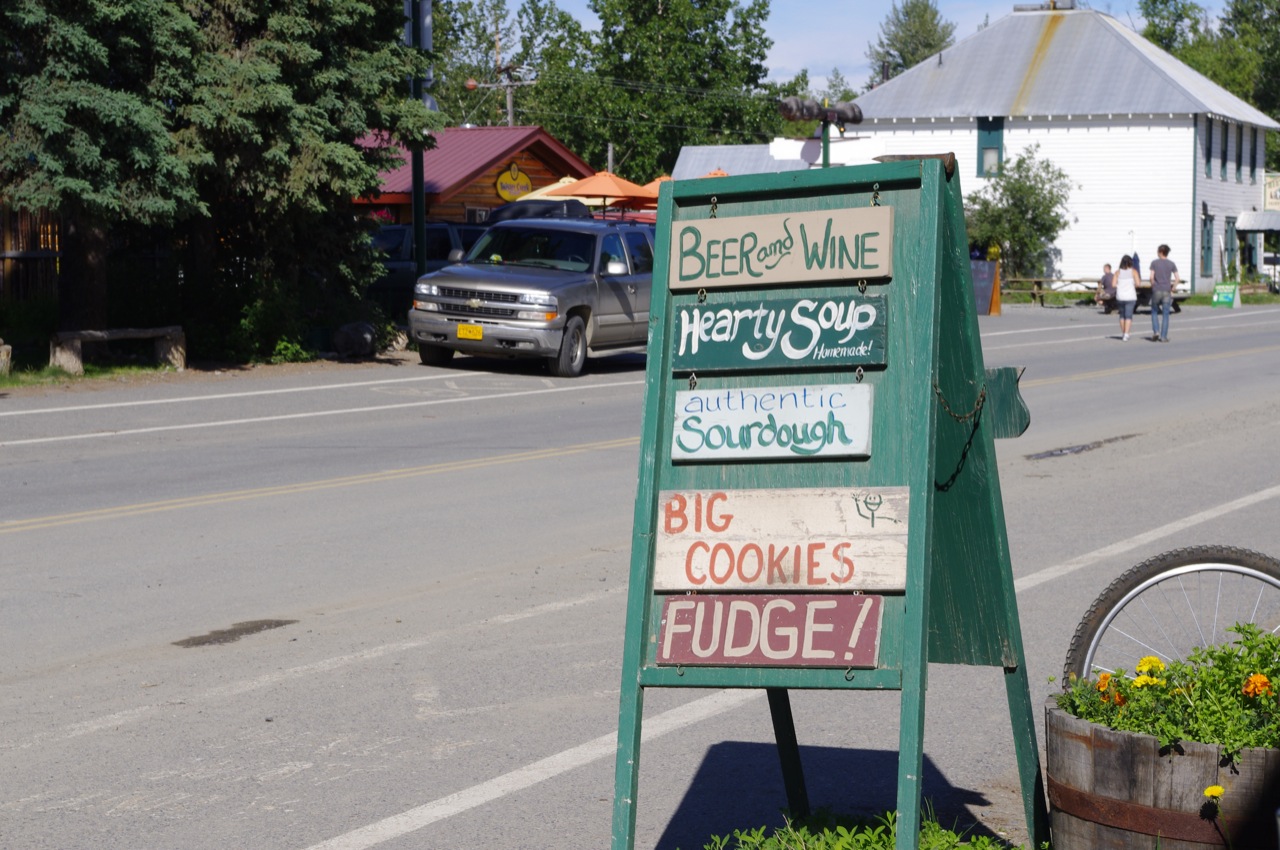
x=936, y=413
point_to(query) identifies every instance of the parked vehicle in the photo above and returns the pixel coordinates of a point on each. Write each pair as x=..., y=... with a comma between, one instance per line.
x=393, y=292
x=549, y=288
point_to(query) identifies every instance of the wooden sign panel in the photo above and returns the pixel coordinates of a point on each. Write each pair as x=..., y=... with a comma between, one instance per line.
x=822, y=420
x=731, y=333
x=804, y=539
x=770, y=631
x=799, y=247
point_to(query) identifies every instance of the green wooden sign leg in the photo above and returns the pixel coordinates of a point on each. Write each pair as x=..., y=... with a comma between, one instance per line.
x=784, y=731
x=1021, y=715
x=626, y=780
x=910, y=764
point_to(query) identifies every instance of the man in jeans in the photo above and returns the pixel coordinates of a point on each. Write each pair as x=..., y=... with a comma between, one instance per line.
x=1164, y=274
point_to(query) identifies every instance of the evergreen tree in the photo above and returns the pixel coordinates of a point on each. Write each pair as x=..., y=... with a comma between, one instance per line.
x=87, y=104
x=912, y=32
x=240, y=130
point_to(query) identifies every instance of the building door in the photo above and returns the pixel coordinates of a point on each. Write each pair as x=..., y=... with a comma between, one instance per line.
x=1232, y=247
x=1206, y=246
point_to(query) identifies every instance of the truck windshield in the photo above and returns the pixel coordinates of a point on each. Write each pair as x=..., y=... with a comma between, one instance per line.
x=531, y=246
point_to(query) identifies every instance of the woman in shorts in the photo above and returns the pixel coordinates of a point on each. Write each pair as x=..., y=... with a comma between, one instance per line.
x=1126, y=284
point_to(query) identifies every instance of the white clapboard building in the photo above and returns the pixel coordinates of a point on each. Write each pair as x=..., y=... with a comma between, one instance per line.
x=1157, y=152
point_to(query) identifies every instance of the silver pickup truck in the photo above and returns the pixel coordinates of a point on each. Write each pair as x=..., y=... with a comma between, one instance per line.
x=549, y=288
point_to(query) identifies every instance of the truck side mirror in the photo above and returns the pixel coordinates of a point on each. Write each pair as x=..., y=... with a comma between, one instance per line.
x=615, y=267
x=456, y=255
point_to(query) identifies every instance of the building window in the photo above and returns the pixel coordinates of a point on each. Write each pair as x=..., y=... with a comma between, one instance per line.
x=1222, y=154
x=1253, y=155
x=990, y=146
x=1208, y=147
x=1239, y=153
x=1206, y=246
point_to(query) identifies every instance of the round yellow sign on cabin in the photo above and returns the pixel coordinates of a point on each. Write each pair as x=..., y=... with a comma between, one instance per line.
x=513, y=183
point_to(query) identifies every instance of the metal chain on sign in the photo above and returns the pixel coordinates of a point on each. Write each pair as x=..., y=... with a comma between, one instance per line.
x=977, y=405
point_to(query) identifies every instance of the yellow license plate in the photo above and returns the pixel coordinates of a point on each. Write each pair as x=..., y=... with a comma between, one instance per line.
x=470, y=332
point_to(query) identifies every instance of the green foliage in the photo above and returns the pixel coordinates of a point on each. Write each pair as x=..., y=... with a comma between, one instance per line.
x=238, y=130
x=656, y=75
x=87, y=107
x=911, y=33
x=1021, y=211
x=1171, y=24
x=823, y=831
x=1242, y=54
x=289, y=351
x=1224, y=695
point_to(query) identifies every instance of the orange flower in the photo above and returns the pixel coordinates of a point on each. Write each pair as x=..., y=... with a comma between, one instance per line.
x=1257, y=685
x=1104, y=681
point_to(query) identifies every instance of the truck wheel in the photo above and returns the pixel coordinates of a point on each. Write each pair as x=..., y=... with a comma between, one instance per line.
x=573, y=350
x=434, y=355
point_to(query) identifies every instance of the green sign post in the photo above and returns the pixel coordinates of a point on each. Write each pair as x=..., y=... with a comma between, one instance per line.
x=818, y=502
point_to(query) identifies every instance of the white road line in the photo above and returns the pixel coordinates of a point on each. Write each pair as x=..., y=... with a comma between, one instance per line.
x=288, y=416
x=548, y=768
x=698, y=710
x=1189, y=320
x=1049, y=573
x=219, y=396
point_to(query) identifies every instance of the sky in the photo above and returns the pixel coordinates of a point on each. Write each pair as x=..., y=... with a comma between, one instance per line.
x=819, y=35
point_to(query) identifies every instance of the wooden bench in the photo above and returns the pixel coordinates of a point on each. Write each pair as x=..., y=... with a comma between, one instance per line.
x=64, y=346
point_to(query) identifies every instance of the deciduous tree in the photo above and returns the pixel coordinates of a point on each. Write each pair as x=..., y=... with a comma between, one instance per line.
x=1021, y=211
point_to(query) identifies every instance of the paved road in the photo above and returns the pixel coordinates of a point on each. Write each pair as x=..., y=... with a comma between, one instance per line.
x=436, y=560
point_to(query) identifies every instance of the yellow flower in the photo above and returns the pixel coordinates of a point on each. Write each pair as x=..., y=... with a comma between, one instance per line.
x=1149, y=664
x=1144, y=681
x=1213, y=792
x=1257, y=685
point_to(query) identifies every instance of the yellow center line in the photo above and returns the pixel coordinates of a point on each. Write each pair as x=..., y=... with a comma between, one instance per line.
x=121, y=511
x=1143, y=367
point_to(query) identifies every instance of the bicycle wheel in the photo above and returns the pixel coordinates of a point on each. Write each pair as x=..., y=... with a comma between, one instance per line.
x=1172, y=603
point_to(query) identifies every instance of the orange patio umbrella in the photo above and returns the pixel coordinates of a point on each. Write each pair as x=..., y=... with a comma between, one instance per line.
x=716, y=172
x=603, y=184
x=652, y=186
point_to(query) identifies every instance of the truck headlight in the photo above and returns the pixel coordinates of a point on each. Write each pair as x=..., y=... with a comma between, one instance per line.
x=547, y=304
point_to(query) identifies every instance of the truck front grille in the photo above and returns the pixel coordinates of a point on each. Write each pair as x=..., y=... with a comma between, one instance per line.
x=467, y=294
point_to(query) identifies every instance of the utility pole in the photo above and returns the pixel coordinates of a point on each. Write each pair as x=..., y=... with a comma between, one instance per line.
x=418, y=36
x=507, y=72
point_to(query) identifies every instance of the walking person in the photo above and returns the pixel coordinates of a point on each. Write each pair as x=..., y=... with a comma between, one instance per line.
x=1164, y=274
x=1126, y=282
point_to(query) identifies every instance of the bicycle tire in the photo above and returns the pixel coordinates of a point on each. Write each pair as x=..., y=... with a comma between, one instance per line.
x=1122, y=625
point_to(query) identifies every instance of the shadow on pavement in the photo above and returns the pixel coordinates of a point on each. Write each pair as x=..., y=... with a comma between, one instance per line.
x=739, y=786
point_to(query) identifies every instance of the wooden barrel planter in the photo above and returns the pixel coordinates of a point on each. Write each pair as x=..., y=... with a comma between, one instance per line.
x=1112, y=789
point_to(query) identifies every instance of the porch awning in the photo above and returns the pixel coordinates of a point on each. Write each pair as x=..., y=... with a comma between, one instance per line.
x=1258, y=222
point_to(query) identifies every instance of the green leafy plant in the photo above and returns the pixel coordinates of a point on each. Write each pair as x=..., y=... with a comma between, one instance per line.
x=1227, y=695
x=288, y=351
x=825, y=831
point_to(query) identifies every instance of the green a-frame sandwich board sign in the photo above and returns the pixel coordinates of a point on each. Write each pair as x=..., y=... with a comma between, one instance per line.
x=818, y=502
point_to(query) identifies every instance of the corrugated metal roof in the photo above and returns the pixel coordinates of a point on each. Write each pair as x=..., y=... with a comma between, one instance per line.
x=462, y=154
x=1267, y=221
x=1076, y=62
x=699, y=160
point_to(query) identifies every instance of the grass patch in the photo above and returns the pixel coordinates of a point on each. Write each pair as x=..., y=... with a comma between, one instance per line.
x=1205, y=299
x=825, y=831
x=49, y=376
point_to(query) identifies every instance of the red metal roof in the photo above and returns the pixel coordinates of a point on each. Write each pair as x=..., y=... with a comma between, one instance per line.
x=462, y=154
